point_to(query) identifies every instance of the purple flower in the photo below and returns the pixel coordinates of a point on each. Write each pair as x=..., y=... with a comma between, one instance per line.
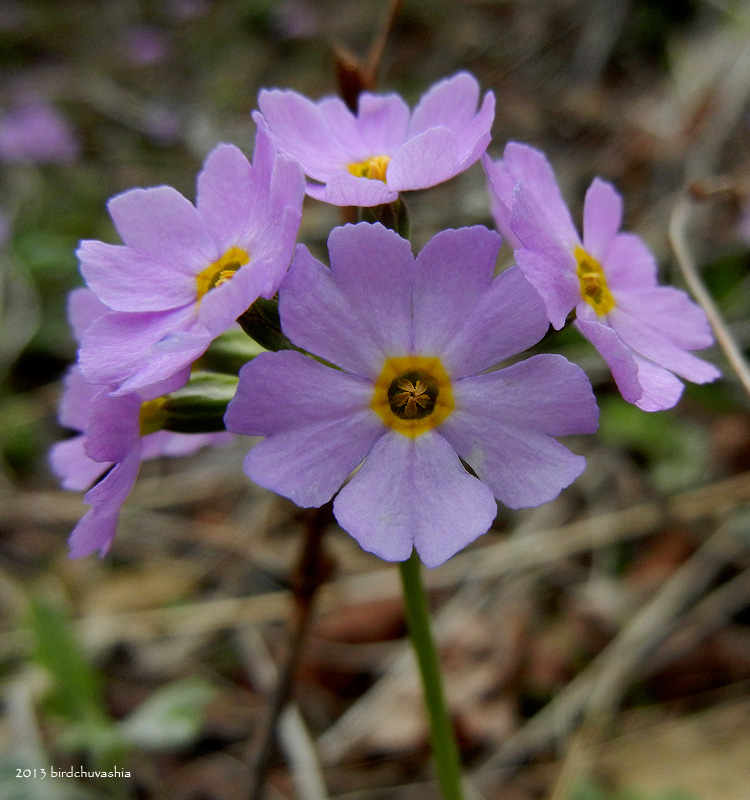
x=117, y=433
x=643, y=331
x=410, y=338
x=37, y=132
x=367, y=159
x=185, y=272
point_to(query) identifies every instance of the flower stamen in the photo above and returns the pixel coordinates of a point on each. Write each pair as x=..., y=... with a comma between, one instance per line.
x=594, y=289
x=221, y=271
x=373, y=168
x=413, y=394
x=152, y=416
x=414, y=398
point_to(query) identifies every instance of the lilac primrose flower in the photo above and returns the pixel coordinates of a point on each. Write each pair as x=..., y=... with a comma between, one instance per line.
x=116, y=434
x=642, y=330
x=367, y=159
x=185, y=272
x=411, y=337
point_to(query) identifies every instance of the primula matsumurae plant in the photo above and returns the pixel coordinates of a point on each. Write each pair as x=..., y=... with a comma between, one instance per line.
x=377, y=382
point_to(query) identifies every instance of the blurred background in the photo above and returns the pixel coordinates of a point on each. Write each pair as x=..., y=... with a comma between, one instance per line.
x=596, y=648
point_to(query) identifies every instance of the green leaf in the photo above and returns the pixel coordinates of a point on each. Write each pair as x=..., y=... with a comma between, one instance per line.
x=77, y=691
x=171, y=717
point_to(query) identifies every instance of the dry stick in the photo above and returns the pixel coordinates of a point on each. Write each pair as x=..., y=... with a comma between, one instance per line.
x=678, y=225
x=308, y=576
x=602, y=682
x=731, y=97
x=294, y=737
x=710, y=614
x=355, y=75
x=707, y=616
x=648, y=628
x=377, y=49
x=531, y=551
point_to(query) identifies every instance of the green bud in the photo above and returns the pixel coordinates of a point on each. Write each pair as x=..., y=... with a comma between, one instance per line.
x=393, y=215
x=229, y=352
x=261, y=322
x=200, y=405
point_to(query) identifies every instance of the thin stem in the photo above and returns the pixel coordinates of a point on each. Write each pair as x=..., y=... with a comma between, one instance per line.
x=444, y=748
x=311, y=571
x=377, y=49
x=733, y=352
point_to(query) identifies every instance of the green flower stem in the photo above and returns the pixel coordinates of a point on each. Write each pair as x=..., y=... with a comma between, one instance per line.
x=443, y=741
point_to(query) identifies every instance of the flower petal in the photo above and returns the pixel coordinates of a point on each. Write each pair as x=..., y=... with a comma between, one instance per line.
x=278, y=190
x=531, y=168
x=451, y=103
x=162, y=225
x=344, y=189
x=670, y=313
x=76, y=400
x=288, y=390
x=120, y=346
x=225, y=195
x=359, y=312
x=113, y=431
x=620, y=358
x=602, y=217
x=460, y=314
x=97, y=529
x=300, y=131
x=553, y=278
x=500, y=186
x=73, y=467
x=652, y=344
x=383, y=121
x=129, y=281
x=414, y=493
x=221, y=306
x=424, y=160
x=661, y=389
x=629, y=265
x=504, y=422
x=84, y=308
x=317, y=420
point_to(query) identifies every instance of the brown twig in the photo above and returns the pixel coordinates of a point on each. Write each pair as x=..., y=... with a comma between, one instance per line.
x=310, y=573
x=678, y=225
x=377, y=48
x=355, y=75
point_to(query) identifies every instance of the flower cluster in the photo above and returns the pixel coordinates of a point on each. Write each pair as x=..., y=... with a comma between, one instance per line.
x=382, y=386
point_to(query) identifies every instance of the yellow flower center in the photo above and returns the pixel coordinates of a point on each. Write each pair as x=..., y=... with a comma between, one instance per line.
x=152, y=416
x=413, y=394
x=594, y=289
x=221, y=271
x=374, y=168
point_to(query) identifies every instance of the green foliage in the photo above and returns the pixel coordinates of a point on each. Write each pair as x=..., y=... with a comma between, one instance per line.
x=170, y=718
x=592, y=790
x=674, y=450
x=76, y=693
